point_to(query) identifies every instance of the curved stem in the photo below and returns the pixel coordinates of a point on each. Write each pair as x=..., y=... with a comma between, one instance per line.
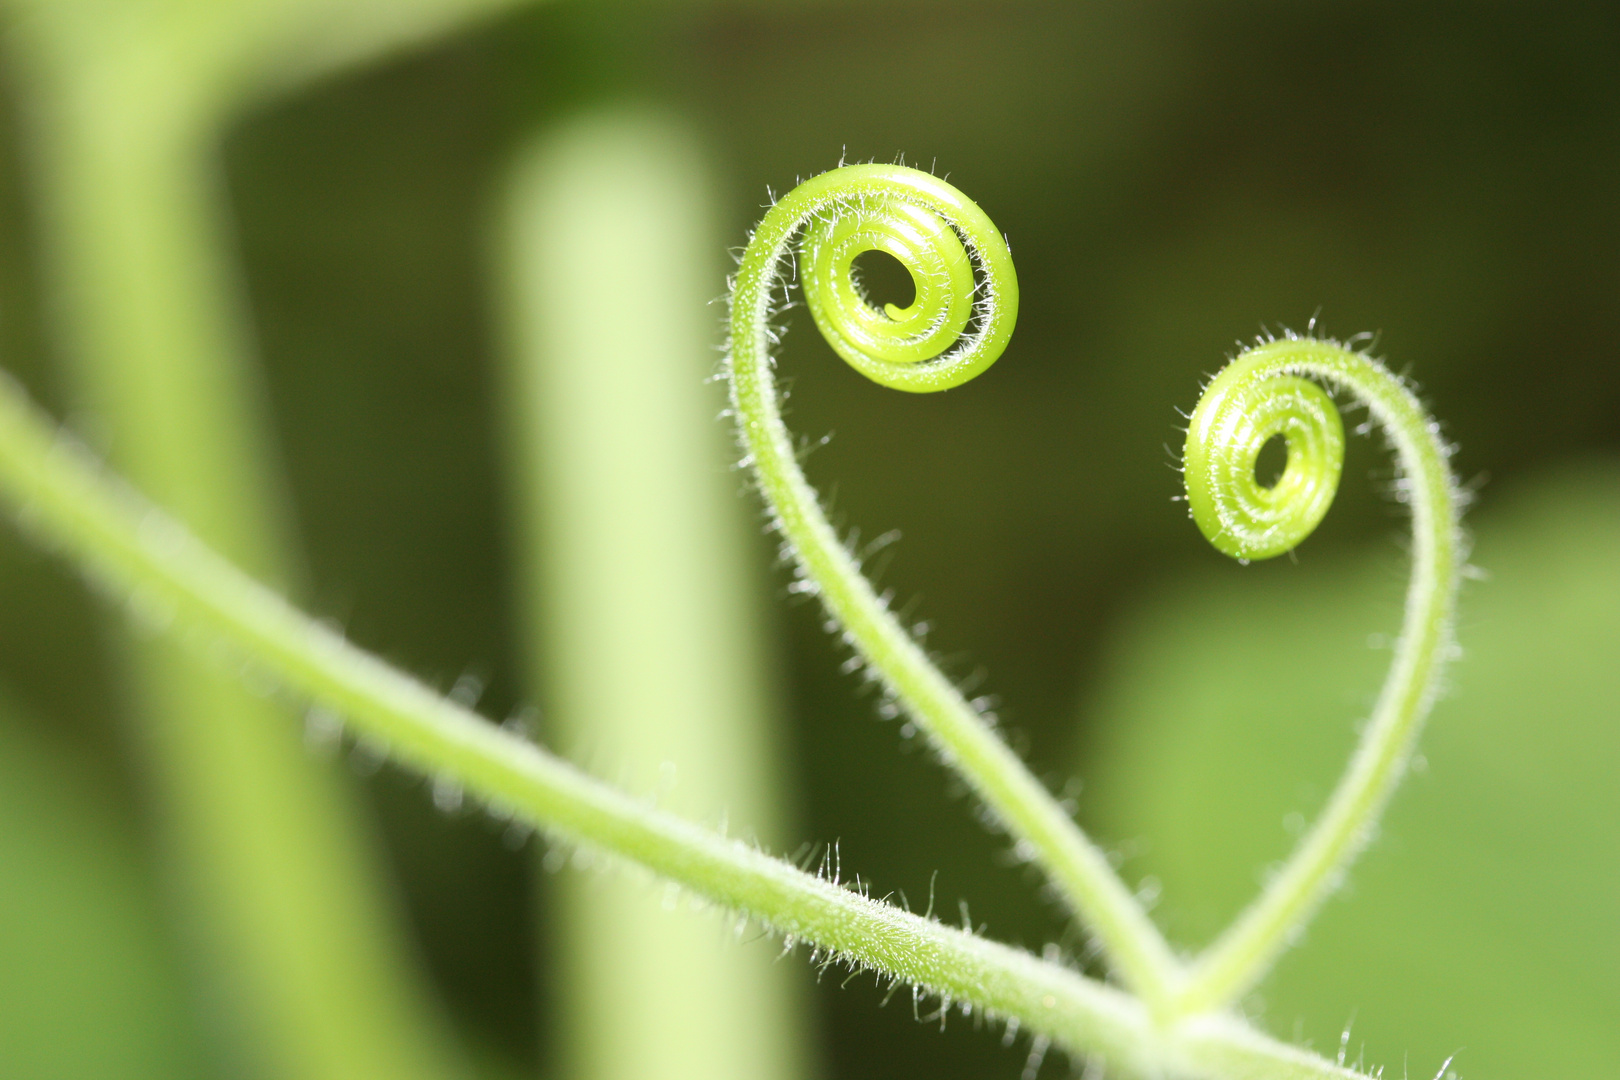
x=1247, y=950
x=171, y=579
x=1134, y=947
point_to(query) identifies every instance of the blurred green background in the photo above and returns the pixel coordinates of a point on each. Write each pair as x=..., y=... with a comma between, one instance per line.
x=1172, y=178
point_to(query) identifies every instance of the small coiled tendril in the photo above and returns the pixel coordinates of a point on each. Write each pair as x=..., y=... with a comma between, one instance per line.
x=958, y=325
x=1265, y=392
x=1240, y=412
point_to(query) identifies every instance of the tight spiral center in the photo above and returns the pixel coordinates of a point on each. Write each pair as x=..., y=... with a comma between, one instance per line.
x=965, y=291
x=922, y=242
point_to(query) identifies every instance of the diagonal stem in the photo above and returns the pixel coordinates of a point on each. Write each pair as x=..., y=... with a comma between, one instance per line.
x=271, y=869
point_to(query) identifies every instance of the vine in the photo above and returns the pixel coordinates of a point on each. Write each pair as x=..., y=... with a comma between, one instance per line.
x=932, y=229
x=956, y=328
x=1174, y=1021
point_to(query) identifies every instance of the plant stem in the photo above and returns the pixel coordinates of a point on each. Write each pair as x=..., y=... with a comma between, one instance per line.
x=170, y=579
x=1243, y=954
x=631, y=541
x=1133, y=945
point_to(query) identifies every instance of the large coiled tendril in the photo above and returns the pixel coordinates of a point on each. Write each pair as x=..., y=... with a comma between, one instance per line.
x=967, y=301
x=966, y=291
x=874, y=340
x=1240, y=412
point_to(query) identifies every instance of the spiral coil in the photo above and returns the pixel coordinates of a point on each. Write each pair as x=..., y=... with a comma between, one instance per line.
x=966, y=291
x=1242, y=410
x=931, y=252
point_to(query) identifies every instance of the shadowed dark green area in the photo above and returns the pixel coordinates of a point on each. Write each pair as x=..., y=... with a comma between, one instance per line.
x=1169, y=178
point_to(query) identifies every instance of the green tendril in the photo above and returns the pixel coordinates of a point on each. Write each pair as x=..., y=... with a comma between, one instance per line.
x=1240, y=412
x=878, y=342
x=956, y=327
x=1267, y=392
x=967, y=300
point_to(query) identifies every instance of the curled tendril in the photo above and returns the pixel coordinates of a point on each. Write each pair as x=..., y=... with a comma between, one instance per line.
x=958, y=324
x=874, y=340
x=1241, y=411
x=1268, y=391
x=967, y=301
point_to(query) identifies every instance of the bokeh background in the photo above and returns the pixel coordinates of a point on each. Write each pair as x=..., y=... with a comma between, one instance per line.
x=1173, y=178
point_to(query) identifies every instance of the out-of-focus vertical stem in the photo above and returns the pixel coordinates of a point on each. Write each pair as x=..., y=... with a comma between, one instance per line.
x=300, y=953
x=632, y=546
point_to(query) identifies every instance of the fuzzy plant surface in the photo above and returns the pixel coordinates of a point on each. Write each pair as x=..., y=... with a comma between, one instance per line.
x=1163, y=1015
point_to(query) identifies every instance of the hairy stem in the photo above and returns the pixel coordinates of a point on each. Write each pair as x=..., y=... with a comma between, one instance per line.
x=171, y=579
x=1246, y=951
x=846, y=200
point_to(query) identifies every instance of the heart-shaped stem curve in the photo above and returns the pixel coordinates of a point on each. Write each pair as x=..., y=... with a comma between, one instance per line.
x=840, y=203
x=1222, y=442
x=168, y=579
